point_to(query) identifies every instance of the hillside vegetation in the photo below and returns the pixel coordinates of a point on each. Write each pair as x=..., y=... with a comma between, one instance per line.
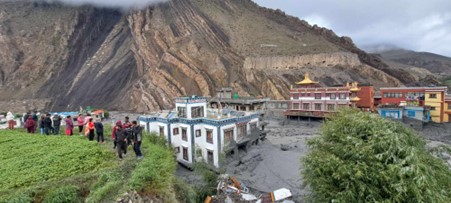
x=37, y=168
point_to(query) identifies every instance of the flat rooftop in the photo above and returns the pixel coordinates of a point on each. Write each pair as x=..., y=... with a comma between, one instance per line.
x=212, y=114
x=413, y=88
x=240, y=100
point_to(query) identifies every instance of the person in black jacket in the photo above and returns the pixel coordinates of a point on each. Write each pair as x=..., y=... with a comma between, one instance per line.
x=137, y=139
x=99, y=130
x=56, y=123
x=47, y=124
x=121, y=140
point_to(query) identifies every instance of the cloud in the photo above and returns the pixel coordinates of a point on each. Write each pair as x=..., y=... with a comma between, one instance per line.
x=412, y=24
x=123, y=4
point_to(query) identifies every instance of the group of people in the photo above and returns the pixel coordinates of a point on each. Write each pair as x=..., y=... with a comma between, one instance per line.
x=123, y=134
x=46, y=124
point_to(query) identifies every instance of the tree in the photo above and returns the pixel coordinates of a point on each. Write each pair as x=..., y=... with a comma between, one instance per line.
x=360, y=157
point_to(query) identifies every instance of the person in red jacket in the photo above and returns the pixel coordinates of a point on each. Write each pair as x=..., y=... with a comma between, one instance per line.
x=113, y=133
x=90, y=128
x=30, y=125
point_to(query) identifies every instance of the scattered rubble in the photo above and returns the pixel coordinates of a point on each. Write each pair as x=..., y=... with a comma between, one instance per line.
x=230, y=189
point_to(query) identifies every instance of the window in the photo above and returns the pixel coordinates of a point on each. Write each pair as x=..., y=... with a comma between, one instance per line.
x=342, y=96
x=411, y=114
x=210, y=136
x=175, y=131
x=295, y=95
x=177, y=150
x=295, y=105
x=210, y=157
x=432, y=96
x=184, y=135
x=198, y=133
x=181, y=112
x=318, y=107
x=432, y=108
x=161, y=130
x=333, y=96
x=253, y=126
x=185, y=153
x=341, y=106
x=228, y=135
x=242, y=130
x=197, y=112
x=306, y=106
x=331, y=107
x=317, y=95
x=449, y=107
x=393, y=94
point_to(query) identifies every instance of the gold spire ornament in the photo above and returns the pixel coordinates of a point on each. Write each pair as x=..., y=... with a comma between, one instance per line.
x=307, y=80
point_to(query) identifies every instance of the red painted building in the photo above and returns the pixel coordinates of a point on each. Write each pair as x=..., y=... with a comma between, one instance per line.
x=433, y=97
x=404, y=94
x=366, y=95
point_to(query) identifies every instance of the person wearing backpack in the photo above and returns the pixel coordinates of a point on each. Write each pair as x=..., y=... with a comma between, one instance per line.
x=137, y=139
x=47, y=124
x=56, y=123
x=30, y=125
x=99, y=130
x=121, y=141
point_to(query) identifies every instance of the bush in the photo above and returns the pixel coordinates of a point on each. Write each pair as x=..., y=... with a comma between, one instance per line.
x=184, y=192
x=361, y=157
x=154, y=173
x=106, y=114
x=18, y=198
x=65, y=194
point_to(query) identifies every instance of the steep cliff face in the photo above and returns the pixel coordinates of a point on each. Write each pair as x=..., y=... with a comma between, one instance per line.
x=55, y=57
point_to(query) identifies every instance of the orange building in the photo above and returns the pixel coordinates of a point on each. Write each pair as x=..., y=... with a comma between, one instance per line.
x=366, y=95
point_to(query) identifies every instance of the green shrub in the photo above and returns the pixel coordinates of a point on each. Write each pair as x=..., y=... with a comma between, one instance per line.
x=106, y=114
x=184, y=192
x=155, y=172
x=361, y=157
x=18, y=198
x=209, y=181
x=65, y=194
x=106, y=184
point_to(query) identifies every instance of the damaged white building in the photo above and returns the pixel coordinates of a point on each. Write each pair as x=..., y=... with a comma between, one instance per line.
x=198, y=133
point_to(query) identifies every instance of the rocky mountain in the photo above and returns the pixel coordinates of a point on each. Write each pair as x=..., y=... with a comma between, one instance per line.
x=436, y=64
x=56, y=57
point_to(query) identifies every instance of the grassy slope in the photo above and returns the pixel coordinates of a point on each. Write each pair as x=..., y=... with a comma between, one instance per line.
x=36, y=165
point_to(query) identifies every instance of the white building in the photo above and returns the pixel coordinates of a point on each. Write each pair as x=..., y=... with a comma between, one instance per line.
x=198, y=133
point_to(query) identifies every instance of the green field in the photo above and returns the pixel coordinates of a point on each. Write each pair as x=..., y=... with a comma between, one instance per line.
x=38, y=168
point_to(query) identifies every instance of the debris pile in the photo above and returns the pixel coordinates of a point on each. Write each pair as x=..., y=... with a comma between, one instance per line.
x=231, y=190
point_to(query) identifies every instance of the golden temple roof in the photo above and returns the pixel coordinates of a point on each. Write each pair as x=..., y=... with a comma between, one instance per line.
x=306, y=81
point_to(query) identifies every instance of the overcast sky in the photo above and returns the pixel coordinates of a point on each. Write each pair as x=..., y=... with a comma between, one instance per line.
x=420, y=25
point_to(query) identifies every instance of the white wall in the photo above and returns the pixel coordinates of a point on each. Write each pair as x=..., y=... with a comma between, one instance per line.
x=202, y=143
x=177, y=141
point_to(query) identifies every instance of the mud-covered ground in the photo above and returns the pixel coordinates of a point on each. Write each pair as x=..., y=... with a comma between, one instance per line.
x=276, y=162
